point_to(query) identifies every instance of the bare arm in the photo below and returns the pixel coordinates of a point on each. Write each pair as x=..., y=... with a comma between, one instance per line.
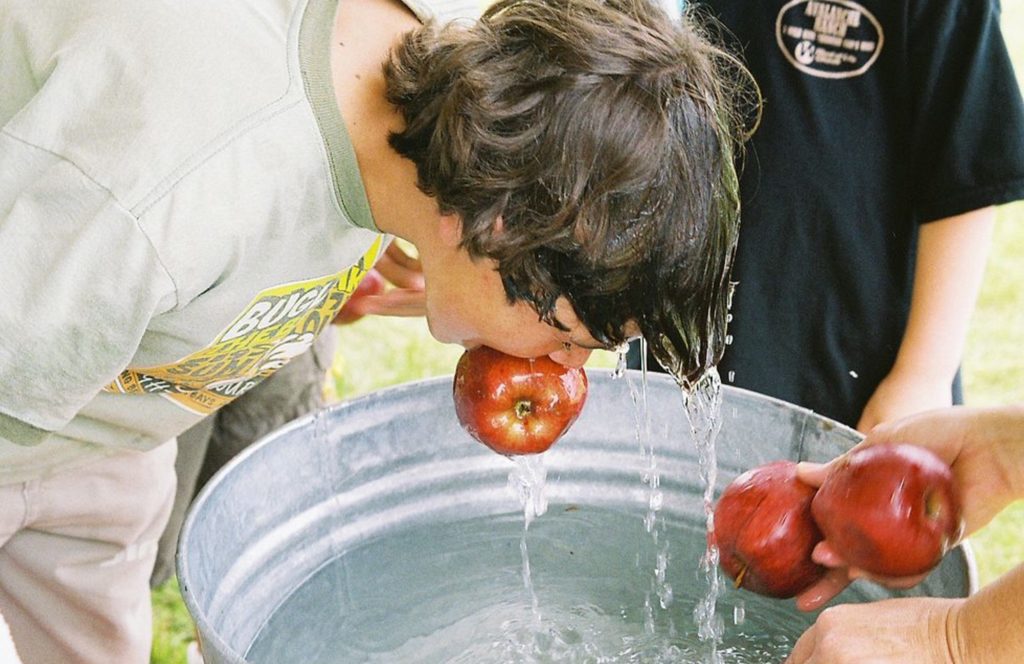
x=950, y=264
x=991, y=623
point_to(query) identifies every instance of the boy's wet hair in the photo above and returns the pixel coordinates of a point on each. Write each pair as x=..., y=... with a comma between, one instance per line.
x=588, y=147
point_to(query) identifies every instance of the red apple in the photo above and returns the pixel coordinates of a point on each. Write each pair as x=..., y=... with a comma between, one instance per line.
x=765, y=532
x=515, y=405
x=372, y=283
x=891, y=510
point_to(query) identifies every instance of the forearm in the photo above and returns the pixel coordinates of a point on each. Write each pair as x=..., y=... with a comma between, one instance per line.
x=989, y=628
x=948, y=272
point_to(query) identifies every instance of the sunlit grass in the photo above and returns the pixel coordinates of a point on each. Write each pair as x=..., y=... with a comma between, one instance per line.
x=172, y=627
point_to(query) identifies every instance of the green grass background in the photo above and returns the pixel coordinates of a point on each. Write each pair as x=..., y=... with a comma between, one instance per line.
x=993, y=373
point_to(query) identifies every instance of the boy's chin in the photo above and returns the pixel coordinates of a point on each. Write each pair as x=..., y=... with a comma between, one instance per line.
x=446, y=334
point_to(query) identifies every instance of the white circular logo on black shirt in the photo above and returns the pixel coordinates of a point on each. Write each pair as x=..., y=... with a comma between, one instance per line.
x=829, y=38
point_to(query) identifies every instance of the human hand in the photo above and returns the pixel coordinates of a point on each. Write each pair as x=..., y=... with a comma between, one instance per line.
x=979, y=446
x=983, y=446
x=903, y=393
x=839, y=576
x=983, y=627
x=911, y=630
x=405, y=296
x=400, y=268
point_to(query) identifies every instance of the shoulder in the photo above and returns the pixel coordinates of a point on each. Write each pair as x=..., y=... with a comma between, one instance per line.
x=131, y=91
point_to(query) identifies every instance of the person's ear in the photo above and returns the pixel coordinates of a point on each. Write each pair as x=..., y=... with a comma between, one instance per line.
x=450, y=230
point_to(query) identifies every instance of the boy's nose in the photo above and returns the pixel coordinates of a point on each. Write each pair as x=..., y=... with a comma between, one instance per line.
x=573, y=357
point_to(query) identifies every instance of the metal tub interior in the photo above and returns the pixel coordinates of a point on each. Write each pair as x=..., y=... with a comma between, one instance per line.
x=318, y=487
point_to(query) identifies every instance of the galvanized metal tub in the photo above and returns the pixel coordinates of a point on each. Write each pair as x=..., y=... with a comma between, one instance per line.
x=314, y=492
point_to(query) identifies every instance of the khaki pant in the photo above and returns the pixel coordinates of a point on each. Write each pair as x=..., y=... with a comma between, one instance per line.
x=76, y=552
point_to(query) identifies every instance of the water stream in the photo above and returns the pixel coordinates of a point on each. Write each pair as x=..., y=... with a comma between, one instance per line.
x=527, y=481
x=703, y=411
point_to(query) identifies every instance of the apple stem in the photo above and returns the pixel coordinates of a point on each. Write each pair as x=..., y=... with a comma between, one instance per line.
x=933, y=505
x=523, y=408
x=739, y=577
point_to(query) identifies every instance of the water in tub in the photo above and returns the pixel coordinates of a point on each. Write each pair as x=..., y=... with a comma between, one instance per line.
x=539, y=583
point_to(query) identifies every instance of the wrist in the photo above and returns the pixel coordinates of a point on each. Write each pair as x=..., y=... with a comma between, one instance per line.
x=1002, y=430
x=925, y=369
x=950, y=634
x=984, y=628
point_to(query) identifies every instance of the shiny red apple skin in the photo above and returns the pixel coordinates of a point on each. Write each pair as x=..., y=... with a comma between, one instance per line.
x=765, y=532
x=372, y=283
x=515, y=405
x=891, y=510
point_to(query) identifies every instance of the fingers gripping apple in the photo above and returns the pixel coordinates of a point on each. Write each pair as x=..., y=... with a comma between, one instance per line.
x=372, y=284
x=891, y=510
x=515, y=405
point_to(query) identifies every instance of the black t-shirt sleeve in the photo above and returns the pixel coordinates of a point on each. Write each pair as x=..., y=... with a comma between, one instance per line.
x=968, y=116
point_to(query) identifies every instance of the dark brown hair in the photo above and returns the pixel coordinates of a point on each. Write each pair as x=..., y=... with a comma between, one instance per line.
x=603, y=134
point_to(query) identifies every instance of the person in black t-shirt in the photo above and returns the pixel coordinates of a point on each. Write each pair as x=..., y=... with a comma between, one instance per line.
x=889, y=131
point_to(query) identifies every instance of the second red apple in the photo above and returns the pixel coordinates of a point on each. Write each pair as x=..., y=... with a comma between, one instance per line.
x=765, y=532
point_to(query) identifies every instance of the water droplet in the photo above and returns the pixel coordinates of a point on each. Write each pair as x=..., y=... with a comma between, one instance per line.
x=621, y=362
x=665, y=595
x=739, y=613
x=648, y=615
x=649, y=521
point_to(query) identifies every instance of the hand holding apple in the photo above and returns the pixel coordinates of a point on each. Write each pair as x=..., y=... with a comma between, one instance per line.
x=765, y=532
x=981, y=446
x=515, y=405
x=890, y=510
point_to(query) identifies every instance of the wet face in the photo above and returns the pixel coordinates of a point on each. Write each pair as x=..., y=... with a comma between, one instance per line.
x=467, y=305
